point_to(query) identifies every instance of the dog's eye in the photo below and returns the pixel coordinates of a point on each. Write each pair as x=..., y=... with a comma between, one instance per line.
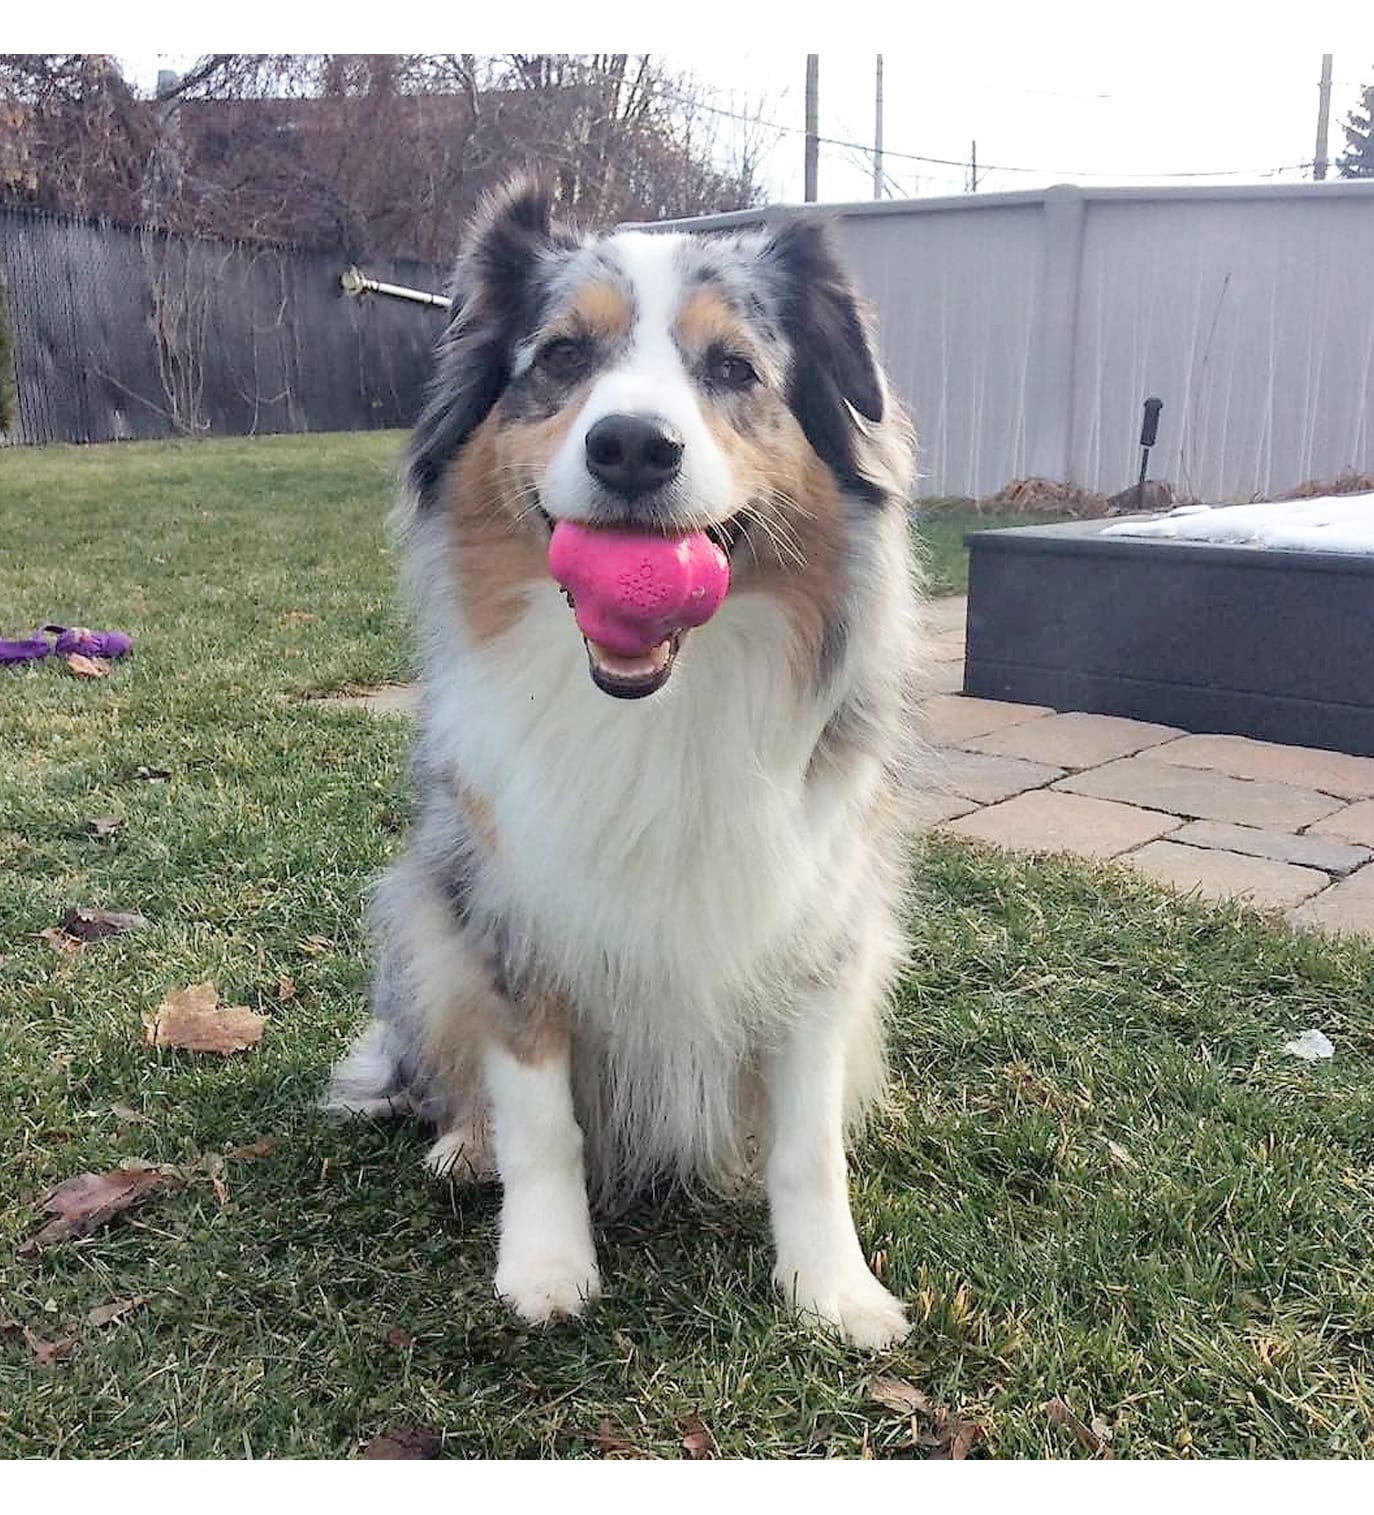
x=727, y=370
x=563, y=358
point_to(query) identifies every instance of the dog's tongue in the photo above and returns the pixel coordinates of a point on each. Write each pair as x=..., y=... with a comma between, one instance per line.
x=632, y=589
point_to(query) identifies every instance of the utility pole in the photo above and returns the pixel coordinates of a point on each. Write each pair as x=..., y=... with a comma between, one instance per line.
x=813, y=63
x=1323, y=117
x=973, y=168
x=878, y=132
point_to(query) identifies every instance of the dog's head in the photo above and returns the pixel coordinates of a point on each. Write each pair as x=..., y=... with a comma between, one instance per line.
x=704, y=398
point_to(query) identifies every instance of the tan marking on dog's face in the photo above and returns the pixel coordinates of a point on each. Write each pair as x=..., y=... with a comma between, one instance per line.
x=795, y=547
x=599, y=310
x=803, y=564
x=500, y=544
x=795, y=516
x=706, y=318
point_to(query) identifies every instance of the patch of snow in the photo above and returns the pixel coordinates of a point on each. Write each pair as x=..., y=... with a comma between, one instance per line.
x=1330, y=523
x=1311, y=1046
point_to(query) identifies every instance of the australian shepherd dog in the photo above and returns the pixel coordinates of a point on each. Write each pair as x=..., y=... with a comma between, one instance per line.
x=651, y=907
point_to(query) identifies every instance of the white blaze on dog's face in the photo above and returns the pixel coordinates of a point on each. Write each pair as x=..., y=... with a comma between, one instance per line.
x=645, y=377
x=687, y=395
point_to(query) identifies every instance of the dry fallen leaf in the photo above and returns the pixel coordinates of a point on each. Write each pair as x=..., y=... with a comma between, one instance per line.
x=55, y=936
x=697, y=1442
x=48, y=1352
x=954, y=1438
x=86, y=668
x=411, y=1443
x=286, y=988
x=1087, y=1437
x=263, y=1147
x=213, y=1165
x=613, y=1444
x=195, y=1020
x=89, y=1200
x=896, y=1394
x=102, y=1315
x=90, y=925
x=106, y=825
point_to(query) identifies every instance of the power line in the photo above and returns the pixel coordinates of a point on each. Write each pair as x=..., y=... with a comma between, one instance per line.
x=961, y=163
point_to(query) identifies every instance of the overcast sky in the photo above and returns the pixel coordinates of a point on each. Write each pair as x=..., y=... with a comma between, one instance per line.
x=1053, y=114
x=1162, y=92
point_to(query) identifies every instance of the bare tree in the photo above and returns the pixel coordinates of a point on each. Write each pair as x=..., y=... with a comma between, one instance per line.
x=368, y=153
x=73, y=136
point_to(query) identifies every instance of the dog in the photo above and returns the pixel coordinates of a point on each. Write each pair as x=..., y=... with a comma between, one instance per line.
x=652, y=901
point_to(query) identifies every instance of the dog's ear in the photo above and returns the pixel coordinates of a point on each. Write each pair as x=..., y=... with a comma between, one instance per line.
x=494, y=300
x=834, y=366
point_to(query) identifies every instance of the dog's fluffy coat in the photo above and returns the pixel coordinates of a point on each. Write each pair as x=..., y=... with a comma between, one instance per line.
x=643, y=940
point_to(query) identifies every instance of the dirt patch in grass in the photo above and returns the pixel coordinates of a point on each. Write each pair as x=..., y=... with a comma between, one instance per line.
x=383, y=699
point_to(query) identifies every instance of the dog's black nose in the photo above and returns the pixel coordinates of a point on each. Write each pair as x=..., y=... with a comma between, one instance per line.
x=633, y=454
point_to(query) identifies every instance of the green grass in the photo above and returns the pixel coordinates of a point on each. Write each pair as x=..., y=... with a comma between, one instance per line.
x=1099, y=1179
x=942, y=524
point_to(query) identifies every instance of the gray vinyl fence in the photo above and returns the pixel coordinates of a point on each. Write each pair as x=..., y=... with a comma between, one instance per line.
x=124, y=333
x=1024, y=331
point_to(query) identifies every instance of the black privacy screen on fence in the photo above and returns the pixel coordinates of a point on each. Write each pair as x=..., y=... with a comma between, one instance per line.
x=124, y=333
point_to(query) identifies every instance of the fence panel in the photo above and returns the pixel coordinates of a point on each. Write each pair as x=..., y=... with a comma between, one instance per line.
x=122, y=332
x=1025, y=330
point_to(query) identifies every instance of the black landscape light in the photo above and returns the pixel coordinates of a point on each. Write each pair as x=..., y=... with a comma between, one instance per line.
x=1149, y=430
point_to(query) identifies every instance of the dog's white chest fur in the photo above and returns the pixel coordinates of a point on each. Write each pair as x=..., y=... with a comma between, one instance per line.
x=660, y=847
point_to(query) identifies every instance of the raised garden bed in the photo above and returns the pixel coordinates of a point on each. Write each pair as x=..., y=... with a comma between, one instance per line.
x=1209, y=637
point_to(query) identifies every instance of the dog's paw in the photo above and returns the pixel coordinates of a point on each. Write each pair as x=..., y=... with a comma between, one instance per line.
x=853, y=1304
x=545, y=1289
x=461, y=1154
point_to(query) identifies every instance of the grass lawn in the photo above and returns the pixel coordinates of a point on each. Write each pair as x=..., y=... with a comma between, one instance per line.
x=1100, y=1179
x=941, y=531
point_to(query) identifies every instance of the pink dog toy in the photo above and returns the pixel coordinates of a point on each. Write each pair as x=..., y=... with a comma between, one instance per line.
x=632, y=590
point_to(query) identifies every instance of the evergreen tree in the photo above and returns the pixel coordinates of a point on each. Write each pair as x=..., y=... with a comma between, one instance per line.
x=1357, y=162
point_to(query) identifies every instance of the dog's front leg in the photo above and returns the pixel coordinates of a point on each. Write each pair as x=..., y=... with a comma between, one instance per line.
x=546, y=1261
x=820, y=1266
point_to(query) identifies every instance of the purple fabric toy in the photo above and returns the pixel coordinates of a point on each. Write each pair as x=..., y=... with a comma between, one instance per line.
x=24, y=650
x=92, y=644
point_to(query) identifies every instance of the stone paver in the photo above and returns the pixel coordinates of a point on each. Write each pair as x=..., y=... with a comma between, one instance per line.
x=1307, y=851
x=948, y=613
x=1354, y=823
x=946, y=647
x=1072, y=740
x=1346, y=908
x=951, y=719
x=1045, y=821
x=943, y=678
x=1201, y=794
x=1351, y=778
x=986, y=780
x=1227, y=875
x=935, y=809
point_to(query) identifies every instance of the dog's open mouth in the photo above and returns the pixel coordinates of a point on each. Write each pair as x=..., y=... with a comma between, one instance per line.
x=635, y=594
x=634, y=676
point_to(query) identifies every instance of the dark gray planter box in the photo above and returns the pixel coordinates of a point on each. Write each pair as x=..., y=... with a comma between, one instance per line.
x=1275, y=645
